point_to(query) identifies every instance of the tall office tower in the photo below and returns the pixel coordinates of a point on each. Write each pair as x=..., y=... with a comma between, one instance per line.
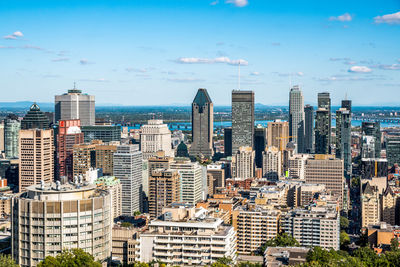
x=324, y=101
x=373, y=168
x=254, y=227
x=314, y=226
x=393, y=150
x=243, y=163
x=370, y=205
x=155, y=136
x=11, y=132
x=75, y=105
x=242, y=119
x=128, y=162
x=1, y=136
x=69, y=134
x=164, y=189
x=112, y=185
x=105, y=156
x=35, y=119
x=322, y=143
x=278, y=134
x=191, y=180
x=373, y=129
x=202, y=125
x=50, y=218
x=259, y=144
x=218, y=176
x=296, y=118
x=272, y=163
x=343, y=135
x=368, y=150
x=309, y=129
x=160, y=161
x=36, y=151
x=104, y=133
x=84, y=158
x=228, y=142
x=325, y=169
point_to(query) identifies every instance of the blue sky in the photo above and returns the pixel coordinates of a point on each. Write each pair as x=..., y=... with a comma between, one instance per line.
x=148, y=52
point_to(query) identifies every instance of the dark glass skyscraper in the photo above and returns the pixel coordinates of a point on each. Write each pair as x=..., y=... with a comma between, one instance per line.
x=373, y=129
x=393, y=150
x=202, y=125
x=242, y=119
x=259, y=144
x=322, y=131
x=343, y=135
x=308, y=129
x=228, y=142
x=324, y=101
x=35, y=119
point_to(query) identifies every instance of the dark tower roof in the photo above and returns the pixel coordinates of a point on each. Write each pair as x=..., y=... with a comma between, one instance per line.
x=35, y=118
x=202, y=97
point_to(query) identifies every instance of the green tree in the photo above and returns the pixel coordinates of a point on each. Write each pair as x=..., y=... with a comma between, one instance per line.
x=344, y=240
x=223, y=262
x=281, y=240
x=394, y=244
x=126, y=224
x=75, y=258
x=344, y=223
x=7, y=261
x=248, y=264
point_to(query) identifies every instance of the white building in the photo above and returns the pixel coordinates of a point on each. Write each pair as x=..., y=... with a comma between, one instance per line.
x=243, y=163
x=187, y=236
x=192, y=179
x=297, y=166
x=272, y=163
x=155, y=136
x=128, y=169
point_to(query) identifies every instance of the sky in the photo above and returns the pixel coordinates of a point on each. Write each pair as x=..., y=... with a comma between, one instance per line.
x=159, y=52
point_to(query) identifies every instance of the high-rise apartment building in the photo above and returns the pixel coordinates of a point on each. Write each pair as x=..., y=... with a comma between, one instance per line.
x=370, y=205
x=1, y=136
x=308, y=129
x=322, y=131
x=202, y=125
x=69, y=134
x=324, y=102
x=242, y=119
x=84, y=158
x=325, y=169
x=105, y=156
x=75, y=105
x=164, y=189
x=49, y=218
x=278, y=134
x=373, y=129
x=243, y=163
x=35, y=119
x=272, y=163
x=11, y=133
x=128, y=162
x=254, y=227
x=393, y=150
x=218, y=176
x=343, y=135
x=114, y=187
x=155, y=136
x=260, y=138
x=297, y=166
x=192, y=180
x=36, y=157
x=296, y=117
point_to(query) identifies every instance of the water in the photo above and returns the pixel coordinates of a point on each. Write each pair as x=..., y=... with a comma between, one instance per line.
x=187, y=126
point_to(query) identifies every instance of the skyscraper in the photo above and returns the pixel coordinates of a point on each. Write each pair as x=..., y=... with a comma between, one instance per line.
x=243, y=163
x=202, y=125
x=259, y=144
x=11, y=133
x=393, y=150
x=324, y=101
x=343, y=135
x=84, y=158
x=69, y=134
x=36, y=151
x=322, y=131
x=296, y=117
x=373, y=129
x=128, y=169
x=242, y=119
x=75, y=105
x=278, y=134
x=35, y=119
x=228, y=142
x=309, y=129
x=155, y=136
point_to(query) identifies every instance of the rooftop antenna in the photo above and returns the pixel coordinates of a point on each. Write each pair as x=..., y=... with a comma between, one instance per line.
x=74, y=85
x=239, y=76
x=345, y=96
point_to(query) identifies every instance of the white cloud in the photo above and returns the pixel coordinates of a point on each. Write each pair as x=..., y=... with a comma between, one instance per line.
x=255, y=73
x=344, y=17
x=238, y=3
x=360, y=69
x=130, y=69
x=226, y=60
x=14, y=36
x=389, y=67
x=214, y=3
x=185, y=80
x=84, y=61
x=389, y=18
x=61, y=59
x=339, y=58
x=287, y=74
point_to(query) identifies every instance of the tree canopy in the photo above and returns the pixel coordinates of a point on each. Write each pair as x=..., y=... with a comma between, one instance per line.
x=7, y=261
x=72, y=258
x=281, y=240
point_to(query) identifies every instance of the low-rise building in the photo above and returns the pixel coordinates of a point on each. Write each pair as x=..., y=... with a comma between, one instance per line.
x=278, y=256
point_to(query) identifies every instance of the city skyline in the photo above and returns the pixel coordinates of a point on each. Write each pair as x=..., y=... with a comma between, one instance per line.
x=125, y=53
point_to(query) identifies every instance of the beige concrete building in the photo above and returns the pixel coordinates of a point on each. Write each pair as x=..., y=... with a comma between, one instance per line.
x=307, y=192
x=187, y=236
x=389, y=204
x=84, y=158
x=105, y=157
x=278, y=134
x=272, y=163
x=325, y=169
x=124, y=243
x=243, y=164
x=370, y=205
x=36, y=157
x=51, y=217
x=218, y=177
x=155, y=136
x=297, y=166
x=164, y=189
x=113, y=185
x=254, y=227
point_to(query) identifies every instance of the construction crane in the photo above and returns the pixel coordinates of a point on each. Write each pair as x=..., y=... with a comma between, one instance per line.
x=280, y=141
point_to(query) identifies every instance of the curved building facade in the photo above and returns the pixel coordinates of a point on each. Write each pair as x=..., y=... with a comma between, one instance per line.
x=48, y=218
